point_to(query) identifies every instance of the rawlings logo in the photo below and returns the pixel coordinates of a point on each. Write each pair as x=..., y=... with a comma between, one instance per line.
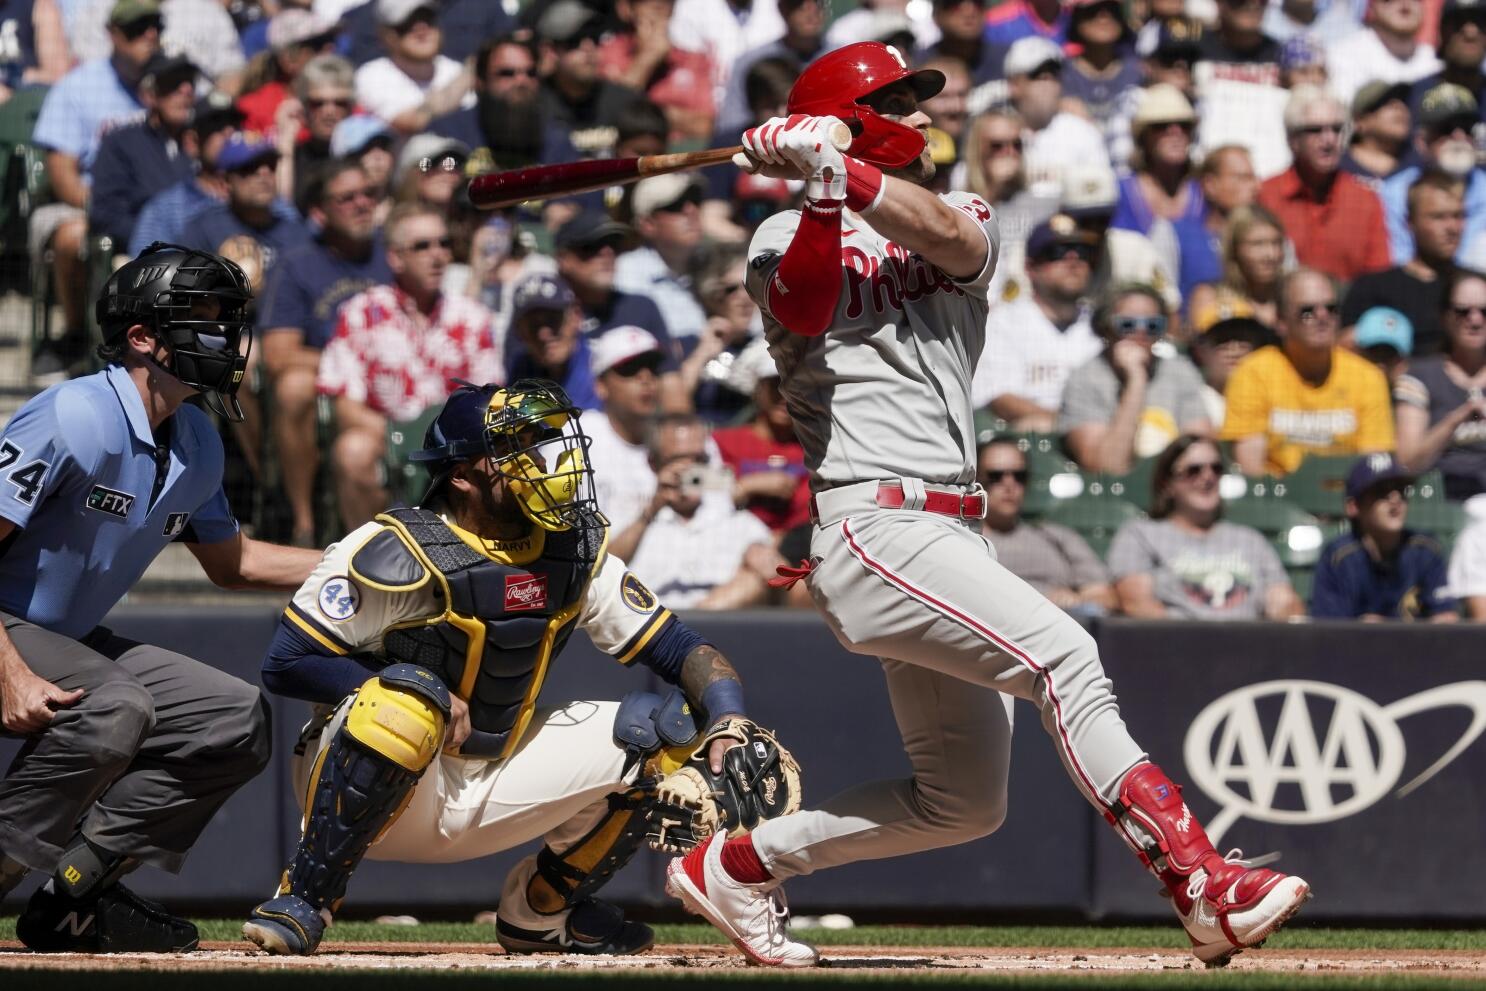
x=526, y=593
x=771, y=788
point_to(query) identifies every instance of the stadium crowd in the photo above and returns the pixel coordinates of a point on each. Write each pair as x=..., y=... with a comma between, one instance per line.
x=1239, y=240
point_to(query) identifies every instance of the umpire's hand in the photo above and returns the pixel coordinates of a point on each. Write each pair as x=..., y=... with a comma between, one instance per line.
x=27, y=702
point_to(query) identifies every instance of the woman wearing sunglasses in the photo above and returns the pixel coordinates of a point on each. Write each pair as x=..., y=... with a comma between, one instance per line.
x=1127, y=403
x=1186, y=562
x=1440, y=409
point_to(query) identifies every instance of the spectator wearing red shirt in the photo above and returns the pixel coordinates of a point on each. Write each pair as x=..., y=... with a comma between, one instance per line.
x=764, y=455
x=294, y=37
x=643, y=58
x=396, y=348
x=1332, y=218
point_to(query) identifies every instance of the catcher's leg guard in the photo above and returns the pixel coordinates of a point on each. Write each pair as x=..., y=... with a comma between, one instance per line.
x=1225, y=905
x=362, y=781
x=554, y=910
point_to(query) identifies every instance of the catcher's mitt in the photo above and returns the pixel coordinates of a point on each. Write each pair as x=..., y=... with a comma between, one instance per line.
x=760, y=780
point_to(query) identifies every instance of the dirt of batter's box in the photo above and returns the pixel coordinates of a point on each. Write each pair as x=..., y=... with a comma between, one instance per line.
x=384, y=956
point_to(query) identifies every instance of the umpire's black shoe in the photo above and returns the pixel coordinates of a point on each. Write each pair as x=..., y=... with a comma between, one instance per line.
x=591, y=926
x=115, y=920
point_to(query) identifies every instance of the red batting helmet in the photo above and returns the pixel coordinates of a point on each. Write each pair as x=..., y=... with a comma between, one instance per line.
x=834, y=84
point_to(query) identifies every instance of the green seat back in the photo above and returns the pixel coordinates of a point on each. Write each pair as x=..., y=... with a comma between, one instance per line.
x=1094, y=516
x=1318, y=486
x=405, y=479
x=1295, y=535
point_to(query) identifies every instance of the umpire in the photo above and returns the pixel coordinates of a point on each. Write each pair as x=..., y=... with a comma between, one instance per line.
x=130, y=749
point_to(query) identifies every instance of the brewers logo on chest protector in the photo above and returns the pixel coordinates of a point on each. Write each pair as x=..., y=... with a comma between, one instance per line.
x=500, y=623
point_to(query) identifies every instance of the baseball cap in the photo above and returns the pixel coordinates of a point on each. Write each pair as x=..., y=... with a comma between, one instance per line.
x=215, y=112
x=244, y=149
x=1374, y=469
x=1445, y=103
x=590, y=229
x=618, y=345
x=167, y=70
x=567, y=20
x=1162, y=103
x=1375, y=94
x=128, y=11
x=1385, y=325
x=292, y=27
x=421, y=146
x=661, y=191
x=1059, y=229
x=1089, y=190
x=1461, y=7
x=391, y=13
x=1300, y=52
x=1169, y=36
x=352, y=135
x=1241, y=327
x=540, y=292
x=1027, y=55
x=753, y=365
x=458, y=432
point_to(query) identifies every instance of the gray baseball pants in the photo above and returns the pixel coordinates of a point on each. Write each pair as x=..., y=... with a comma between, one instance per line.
x=958, y=637
x=143, y=760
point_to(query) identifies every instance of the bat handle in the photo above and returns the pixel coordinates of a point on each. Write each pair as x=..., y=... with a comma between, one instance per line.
x=841, y=136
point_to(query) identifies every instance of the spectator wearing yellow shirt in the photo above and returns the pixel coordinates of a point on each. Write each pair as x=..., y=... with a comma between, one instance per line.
x=1306, y=395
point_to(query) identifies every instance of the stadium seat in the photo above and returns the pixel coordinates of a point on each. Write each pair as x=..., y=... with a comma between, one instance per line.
x=1318, y=486
x=1295, y=535
x=1053, y=476
x=406, y=480
x=1095, y=516
x=1430, y=512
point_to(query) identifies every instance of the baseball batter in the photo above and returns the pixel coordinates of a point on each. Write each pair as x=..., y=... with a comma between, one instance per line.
x=425, y=637
x=874, y=297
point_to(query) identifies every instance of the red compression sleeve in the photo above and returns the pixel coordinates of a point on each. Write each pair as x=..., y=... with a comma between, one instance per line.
x=863, y=186
x=804, y=288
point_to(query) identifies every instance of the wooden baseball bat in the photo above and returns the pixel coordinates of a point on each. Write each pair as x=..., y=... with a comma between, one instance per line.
x=541, y=182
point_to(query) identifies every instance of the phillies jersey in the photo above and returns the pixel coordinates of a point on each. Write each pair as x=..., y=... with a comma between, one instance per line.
x=885, y=391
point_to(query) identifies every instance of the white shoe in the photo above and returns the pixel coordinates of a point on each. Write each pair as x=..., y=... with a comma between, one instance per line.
x=755, y=918
x=1236, y=907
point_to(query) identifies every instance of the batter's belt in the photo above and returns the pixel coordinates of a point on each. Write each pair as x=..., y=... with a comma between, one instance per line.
x=964, y=502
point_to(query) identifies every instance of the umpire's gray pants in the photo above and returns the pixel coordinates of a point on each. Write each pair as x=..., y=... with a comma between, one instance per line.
x=143, y=760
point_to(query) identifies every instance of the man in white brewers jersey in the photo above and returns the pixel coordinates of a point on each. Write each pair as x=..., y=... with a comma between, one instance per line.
x=874, y=298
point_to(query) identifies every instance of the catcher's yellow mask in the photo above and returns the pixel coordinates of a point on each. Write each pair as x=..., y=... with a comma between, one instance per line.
x=537, y=445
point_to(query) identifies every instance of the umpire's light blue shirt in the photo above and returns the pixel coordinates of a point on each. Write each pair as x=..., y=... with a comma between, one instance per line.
x=77, y=467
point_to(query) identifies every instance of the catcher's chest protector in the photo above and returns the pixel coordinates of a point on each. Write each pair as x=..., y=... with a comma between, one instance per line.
x=501, y=624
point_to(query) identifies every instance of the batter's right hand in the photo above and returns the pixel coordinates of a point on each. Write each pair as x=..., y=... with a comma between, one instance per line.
x=459, y=723
x=28, y=702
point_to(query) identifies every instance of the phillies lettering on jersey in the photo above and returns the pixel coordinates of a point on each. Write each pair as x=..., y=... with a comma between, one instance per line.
x=898, y=355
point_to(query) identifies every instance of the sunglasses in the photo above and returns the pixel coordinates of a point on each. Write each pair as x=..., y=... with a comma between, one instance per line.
x=351, y=196
x=1311, y=130
x=253, y=168
x=1059, y=252
x=339, y=102
x=425, y=243
x=513, y=73
x=1161, y=126
x=1189, y=472
x=1312, y=311
x=992, y=477
x=1124, y=326
x=136, y=28
x=1462, y=312
x=588, y=252
x=690, y=199
x=634, y=366
x=449, y=163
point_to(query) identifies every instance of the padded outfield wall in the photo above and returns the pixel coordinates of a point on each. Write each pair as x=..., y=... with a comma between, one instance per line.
x=1353, y=750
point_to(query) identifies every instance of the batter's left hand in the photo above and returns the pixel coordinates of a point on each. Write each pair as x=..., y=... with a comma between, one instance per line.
x=459, y=723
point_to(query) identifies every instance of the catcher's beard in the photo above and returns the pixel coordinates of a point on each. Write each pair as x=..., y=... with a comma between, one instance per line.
x=493, y=512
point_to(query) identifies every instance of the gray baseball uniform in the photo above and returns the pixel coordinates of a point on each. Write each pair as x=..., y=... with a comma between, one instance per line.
x=884, y=395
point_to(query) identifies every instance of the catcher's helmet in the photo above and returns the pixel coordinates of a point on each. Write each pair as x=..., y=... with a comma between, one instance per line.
x=529, y=431
x=198, y=305
x=834, y=85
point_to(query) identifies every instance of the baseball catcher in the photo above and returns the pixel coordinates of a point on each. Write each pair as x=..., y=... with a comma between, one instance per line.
x=425, y=636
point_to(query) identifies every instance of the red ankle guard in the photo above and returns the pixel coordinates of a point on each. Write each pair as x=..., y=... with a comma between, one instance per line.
x=1157, y=824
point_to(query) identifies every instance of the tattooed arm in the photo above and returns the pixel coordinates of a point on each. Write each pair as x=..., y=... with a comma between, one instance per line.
x=711, y=684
